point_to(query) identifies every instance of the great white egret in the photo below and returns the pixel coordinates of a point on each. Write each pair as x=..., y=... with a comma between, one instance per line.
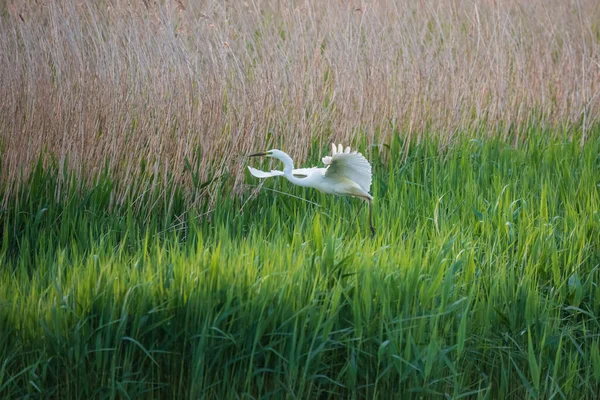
x=346, y=173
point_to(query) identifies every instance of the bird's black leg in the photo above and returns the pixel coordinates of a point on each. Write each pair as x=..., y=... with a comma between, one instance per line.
x=362, y=203
x=371, y=217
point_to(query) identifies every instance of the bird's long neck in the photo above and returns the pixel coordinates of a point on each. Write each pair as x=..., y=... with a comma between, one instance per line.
x=288, y=168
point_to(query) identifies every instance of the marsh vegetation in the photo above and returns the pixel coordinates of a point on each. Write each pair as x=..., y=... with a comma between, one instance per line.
x=138, y=258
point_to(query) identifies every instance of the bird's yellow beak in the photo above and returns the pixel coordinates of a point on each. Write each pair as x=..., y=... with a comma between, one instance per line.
x=258, y=154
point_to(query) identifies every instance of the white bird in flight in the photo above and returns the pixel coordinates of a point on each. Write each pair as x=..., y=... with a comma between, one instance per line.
x=346, y=173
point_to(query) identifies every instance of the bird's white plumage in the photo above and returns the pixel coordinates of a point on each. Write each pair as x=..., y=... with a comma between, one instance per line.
x=262, y=174
x=346, y=173
x=303, y=172
x=335, y=150
x=349, y=164
x=300, y=172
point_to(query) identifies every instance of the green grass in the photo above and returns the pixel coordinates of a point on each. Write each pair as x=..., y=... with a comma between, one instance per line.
x=480, y=283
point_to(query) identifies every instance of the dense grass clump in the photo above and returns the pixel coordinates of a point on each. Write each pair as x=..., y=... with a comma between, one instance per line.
x=481, y=282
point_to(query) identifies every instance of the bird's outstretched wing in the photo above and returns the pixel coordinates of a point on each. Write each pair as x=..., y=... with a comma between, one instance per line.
x=262, y=174
x=350, y=164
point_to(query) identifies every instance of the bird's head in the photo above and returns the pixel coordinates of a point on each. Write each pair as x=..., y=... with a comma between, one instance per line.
x=274, y=153
x=278, y=154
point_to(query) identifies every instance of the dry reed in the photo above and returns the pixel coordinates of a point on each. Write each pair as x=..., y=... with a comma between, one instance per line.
x=111, y=86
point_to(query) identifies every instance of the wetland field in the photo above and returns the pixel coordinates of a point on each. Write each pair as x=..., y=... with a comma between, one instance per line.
x=140, y=259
